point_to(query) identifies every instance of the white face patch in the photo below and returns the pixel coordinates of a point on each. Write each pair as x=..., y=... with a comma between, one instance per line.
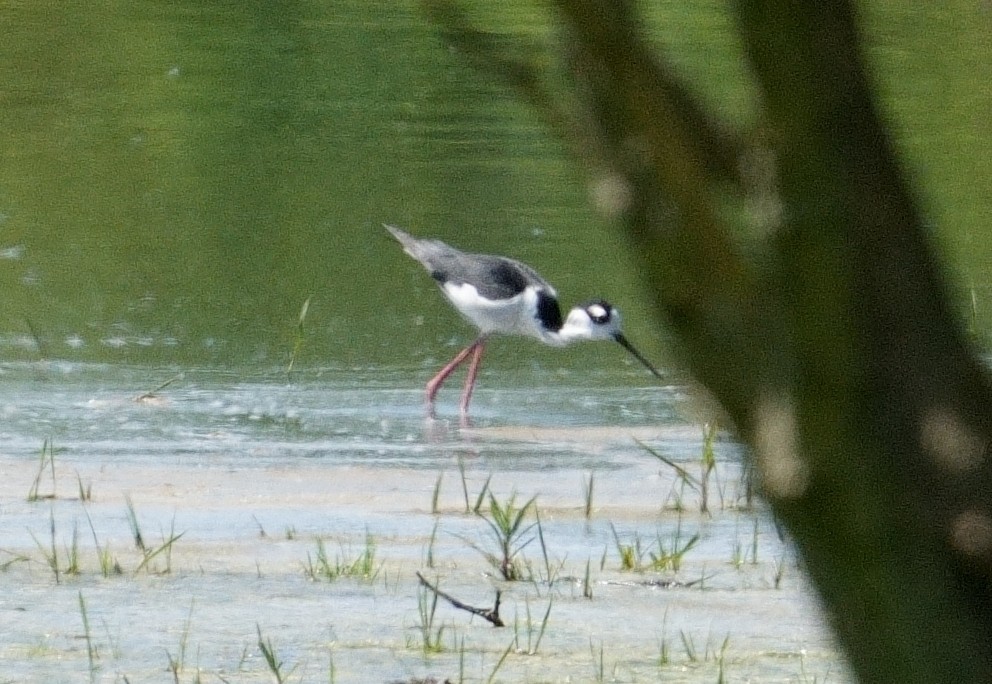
x=596, y=312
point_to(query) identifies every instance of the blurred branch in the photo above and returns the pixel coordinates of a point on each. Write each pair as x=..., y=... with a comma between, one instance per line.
x=833, y=347
x=896, y=406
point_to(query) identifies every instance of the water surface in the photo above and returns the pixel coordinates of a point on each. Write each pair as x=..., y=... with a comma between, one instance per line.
x=248, y=473
x=176, y=180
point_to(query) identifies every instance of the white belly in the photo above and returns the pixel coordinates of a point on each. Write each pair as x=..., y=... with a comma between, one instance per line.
x=514, y=316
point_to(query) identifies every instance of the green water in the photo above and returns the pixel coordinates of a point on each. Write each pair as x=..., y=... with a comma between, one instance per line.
x=177, y=178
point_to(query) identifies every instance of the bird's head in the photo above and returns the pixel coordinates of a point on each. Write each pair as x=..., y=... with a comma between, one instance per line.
x=599, y=320
x=595, y=320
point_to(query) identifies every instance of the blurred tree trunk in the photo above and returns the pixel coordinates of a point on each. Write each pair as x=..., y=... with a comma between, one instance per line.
x=831, y=345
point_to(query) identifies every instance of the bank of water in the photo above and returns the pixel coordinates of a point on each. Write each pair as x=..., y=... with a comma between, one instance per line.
x=251, y=493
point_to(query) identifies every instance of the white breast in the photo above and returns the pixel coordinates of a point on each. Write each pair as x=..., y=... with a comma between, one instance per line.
x=514, y=316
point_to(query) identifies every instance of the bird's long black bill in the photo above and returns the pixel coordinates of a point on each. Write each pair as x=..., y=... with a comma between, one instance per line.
x=625, y=343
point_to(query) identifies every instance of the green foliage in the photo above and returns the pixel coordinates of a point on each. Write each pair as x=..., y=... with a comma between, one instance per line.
x=45, y=458
x=91, y=652
x=507, y=521
x=272, y=661
x=430, y=636
x=363, y=566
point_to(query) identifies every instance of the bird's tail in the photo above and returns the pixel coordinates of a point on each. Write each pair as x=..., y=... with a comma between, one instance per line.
x=424, y=251
x=408, y=241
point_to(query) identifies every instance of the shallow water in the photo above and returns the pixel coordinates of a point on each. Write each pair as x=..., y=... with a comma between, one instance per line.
x=252, y=471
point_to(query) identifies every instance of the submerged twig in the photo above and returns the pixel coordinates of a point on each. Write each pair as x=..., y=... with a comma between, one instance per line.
x=491, y=615
x=153, y=393
x=683, y=474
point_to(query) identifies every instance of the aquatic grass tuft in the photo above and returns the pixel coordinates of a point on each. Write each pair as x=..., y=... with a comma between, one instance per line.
x=132, y=519
x=322, y=566
x=746, y=486
x=668, y=556
x=711, y=650
x=707, y=466
x=108, y=564
x=738, y=554
x=551, y=573
x=804, y=677
x=534, y=632
x=630, y=554
x=45, y=458
x=363, y=566
x=754, y=543
x=586, y=583
x=481, y=498
x=164, y=549
x=271, y=659
x=300, y=336
x=780, y=570
x=499, y=664
x=14, y=558
x=85, y=491
x=50, y=554
x=436, y=494
x=177, y=663
x=464, y=479
x=506, y=522
x=599, y=669
x=587, y=491
x=688, y=646
x=429, y=556
x=72, y=553
x=664, y=655
x=40, y=345
x=430, y=637
x=148, y=554
x=91, y=652
x=331, y=678
x=721, y=659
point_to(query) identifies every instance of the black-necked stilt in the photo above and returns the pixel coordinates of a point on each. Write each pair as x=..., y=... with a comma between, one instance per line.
x=502, y=296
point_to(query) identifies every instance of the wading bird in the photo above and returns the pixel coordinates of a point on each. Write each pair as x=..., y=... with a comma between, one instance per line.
x=501, y=296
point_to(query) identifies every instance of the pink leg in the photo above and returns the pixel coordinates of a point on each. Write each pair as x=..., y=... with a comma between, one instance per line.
x=473, y=370
x=435, y=383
